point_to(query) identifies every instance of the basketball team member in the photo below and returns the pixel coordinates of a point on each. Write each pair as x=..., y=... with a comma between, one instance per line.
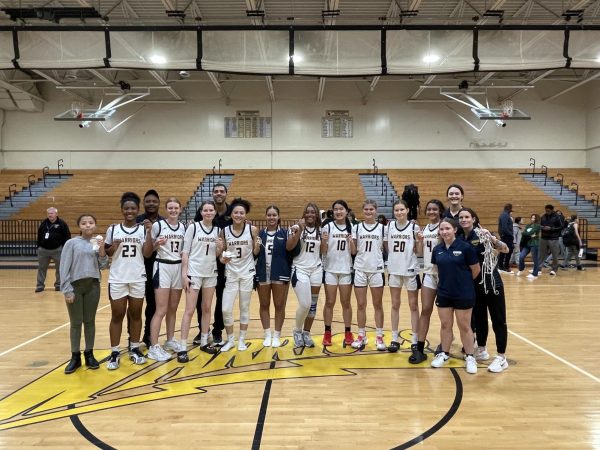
x=429, y=236
x=222, y=220
x=457, y=267
x=272, y=275
x=82, y=259
x=304, y=243
x=151, y=206
x=338, y=247
x=368, y=239
x=403, y=269
x=456, y=195
x=492, y=300
x=126, y=280
x=202, y=246
x=241, y=244
x=166, y=239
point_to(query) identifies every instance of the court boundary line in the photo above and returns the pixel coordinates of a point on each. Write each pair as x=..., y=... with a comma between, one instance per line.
x=23, y=344
x=555, y=356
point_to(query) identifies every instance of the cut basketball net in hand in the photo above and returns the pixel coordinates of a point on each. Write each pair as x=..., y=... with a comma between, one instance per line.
x=507, y=108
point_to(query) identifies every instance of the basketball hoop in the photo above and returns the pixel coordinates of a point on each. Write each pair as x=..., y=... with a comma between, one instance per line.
x=507, y=108
x=77, y=110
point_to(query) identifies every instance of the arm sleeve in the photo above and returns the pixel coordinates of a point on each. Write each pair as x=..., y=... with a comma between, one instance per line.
x=66, y=259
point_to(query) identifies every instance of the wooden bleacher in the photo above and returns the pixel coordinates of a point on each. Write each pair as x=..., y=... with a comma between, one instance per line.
x=18, y=177
x=99, y=191
x=486, y=192
x=587, y=180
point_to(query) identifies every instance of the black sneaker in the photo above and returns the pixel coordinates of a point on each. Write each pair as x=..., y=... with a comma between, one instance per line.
x=74, y=364
x=39, y=289
x=580, y=268
x=217, y=338
x=417, y=356
x=90, y=361
x=209, y=349
x=136, y=355
x=394, y=347
x=198, y=339
x=182, y=357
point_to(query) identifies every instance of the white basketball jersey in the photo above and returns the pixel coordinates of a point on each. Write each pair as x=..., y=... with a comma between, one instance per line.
x=309, y=257
x=269, y=248
x=170, y=250
x=201, y=246
x=127, y=265
x=369, y=247
x=431, y=238
x=241, y=265
x=402, y=259
x=339, y=258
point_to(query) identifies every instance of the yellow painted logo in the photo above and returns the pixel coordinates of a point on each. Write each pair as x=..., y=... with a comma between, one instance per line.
x=56, y=395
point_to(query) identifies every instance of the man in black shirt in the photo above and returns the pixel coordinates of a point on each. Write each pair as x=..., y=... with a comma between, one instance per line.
x=52, y=235
x=222, y=219
x=151, y=205
x=551, y=225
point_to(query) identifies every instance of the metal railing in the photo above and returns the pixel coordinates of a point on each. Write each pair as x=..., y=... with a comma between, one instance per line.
x=595, y=200
x=545, y=172
x=576, y=190
x=532, y=164
x=60, y=164
x=18, y=237
x=12, y=189
x=561, y=180
x=30, y=182
x=584, y=228
x=45, y=173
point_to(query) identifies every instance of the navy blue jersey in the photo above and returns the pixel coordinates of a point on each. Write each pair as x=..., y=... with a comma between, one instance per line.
x=453, y=263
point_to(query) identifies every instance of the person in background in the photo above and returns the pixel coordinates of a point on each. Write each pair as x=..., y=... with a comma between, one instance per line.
x=83, y=258
x=517, y=234
x=506, y=233
x=551, y=225
x=53, y=233
x=572, y=242
x=530, y=242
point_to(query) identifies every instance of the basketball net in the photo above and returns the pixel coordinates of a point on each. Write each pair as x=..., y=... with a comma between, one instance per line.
x=77, y=109
x=507, y=108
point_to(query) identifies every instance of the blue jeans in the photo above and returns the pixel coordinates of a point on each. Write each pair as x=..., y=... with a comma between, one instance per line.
x=534, y=255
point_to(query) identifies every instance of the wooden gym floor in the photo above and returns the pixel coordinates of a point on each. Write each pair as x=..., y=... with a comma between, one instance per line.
x=547, y=399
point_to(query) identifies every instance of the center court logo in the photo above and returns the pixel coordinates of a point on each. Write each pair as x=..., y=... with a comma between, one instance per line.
x=55, y=395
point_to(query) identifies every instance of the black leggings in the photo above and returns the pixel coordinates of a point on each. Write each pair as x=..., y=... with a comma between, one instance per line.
x=496, y=304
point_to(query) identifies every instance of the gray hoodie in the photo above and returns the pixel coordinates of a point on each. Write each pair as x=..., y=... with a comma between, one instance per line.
x=79, y=260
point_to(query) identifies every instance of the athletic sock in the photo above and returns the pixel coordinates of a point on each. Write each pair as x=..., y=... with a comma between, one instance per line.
x=204, y=339
x=267, y=332
x=347, y=329
x=277, y=334
x=379, y=331
x=243, y=334
x=328, y=328
x=361, y=332
x=395, y=335
x=114, y=349
x=421, y=346
x=135, y=345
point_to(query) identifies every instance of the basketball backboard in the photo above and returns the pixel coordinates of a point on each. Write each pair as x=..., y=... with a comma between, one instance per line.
x=499, y=114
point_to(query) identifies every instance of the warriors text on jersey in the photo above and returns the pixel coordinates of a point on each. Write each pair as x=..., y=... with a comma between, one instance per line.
x=170, y=250
x=309, y=257
x=430, y=240
x=127, y=264
x=201, y=246
x=338, y=258
x=242, y=263
x=369, y=247
x=402, y=259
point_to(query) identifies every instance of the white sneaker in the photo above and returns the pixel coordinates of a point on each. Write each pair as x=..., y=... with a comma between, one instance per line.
x=360, y=341
x=471, y=364
x=229, y=344
x=308, y=340
x=380, y=344
x=113, y=361
x=157, y=353
x=531, y=277
x=172, y=345
x=242, y=345
x=481, y=354
x=519, y=273
x=439, y=360
x=137, y=356
x=267, y=341
x=552, y=272
x=498, y=364
x=275, y=342
x=298, y=338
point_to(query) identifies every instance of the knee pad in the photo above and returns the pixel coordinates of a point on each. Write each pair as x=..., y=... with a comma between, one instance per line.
x=312, y=312
x=245, y=307
x=228, y=318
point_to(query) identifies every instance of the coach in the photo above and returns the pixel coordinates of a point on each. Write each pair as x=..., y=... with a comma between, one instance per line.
x=52, y=235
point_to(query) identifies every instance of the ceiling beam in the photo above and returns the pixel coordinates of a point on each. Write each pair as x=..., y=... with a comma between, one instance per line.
x=163, y=82
x=55, y=82
x=101, y=76
x=215, y=81
x=12, y=88
x=269, y=81
x=321, y=90
x=486, y=77
x=575, y=86
x=428, y=81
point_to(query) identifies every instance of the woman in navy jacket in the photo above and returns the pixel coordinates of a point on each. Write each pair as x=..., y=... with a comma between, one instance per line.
x=272, y=275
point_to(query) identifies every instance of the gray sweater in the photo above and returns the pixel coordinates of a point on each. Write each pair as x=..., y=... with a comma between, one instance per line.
x=79, y=260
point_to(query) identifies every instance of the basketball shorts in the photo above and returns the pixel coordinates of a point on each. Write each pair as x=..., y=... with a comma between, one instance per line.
x=314, y=277
x=117, y=291
x=371, y=279
x=410, y=282
x=430, y=280
x=338, y=279
x=239, y=284
x=203, y=282
x=166, y=276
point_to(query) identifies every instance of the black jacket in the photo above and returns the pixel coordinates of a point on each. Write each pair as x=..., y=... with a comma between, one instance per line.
x=556, y=224
x=57, y=234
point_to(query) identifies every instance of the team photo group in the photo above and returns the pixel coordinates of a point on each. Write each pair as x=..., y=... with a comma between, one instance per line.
x=221, y=257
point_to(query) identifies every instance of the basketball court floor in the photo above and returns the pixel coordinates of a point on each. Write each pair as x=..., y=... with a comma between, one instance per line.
x=311, y=399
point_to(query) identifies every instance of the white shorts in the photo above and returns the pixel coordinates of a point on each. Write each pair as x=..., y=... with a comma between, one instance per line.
x=411, y=282
x=315, y=278
x=430, y=280
x=364, y=279
x=203, y=282
x=166, y=276
x=117, y=291
x=338, y=279
x=240, y=284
